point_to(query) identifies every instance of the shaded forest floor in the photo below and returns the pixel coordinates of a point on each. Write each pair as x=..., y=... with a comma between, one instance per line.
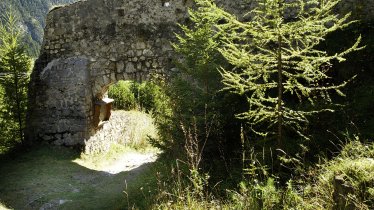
x=59, y=178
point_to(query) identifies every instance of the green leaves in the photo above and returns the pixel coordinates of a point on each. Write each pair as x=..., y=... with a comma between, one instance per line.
x=14, y=66
x=277, y=59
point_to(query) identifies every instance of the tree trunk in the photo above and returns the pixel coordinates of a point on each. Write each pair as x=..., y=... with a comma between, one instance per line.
x=280, y=94
x=18, y=102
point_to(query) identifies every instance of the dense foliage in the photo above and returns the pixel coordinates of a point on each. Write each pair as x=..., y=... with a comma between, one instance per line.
x=199, y=109
x=277, y=63
x=285, y=68
x=146, y=96
x=14, y=68
x=32, y=19
x=345, y=182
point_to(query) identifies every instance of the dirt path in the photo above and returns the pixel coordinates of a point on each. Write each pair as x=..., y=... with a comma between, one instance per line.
x=129, y=161
x=56, y=178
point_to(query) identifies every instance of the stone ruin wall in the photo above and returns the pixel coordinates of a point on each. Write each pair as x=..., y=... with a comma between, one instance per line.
x=91, y=44
x=88, y=46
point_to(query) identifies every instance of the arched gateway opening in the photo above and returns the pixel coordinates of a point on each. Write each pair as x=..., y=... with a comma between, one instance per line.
x=90, y=45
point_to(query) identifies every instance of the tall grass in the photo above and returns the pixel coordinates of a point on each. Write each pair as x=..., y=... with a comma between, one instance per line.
x=139, y=129
x=315, y=188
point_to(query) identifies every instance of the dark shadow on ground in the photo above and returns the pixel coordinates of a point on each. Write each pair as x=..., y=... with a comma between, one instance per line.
x=46, y=178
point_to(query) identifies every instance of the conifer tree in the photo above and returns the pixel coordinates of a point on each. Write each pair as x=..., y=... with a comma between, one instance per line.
x=194, y=87
x=15, y=65
x=277, y=59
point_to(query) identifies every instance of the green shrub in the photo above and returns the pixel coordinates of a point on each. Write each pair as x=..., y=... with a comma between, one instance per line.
x=123, y=95
x=139, y=129
x=196, y=97
x=146, y=96
x=152, y=98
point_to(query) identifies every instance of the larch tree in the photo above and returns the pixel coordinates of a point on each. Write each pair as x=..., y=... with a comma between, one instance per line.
x=278, y=62
x=15, y=66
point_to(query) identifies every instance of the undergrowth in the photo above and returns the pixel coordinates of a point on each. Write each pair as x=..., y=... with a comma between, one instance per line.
x=344, y=182
x=139, y=129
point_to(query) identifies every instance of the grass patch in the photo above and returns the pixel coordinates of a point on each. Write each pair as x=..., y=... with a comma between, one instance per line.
x=47, y=176
x=345, y=182
x=354, y=168
x=139, y=128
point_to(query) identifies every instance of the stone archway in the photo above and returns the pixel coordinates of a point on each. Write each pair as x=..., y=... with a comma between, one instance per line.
x=87, y=46
x=91, y=44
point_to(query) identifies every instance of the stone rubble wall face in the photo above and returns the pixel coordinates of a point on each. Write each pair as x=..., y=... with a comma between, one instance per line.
x=91, y=44
x=110, y=132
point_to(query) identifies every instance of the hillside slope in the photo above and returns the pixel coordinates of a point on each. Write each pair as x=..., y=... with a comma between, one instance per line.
x=32, y=15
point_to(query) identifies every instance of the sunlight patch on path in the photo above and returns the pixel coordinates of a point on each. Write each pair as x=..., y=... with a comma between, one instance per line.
x=125, y=162
x=3, y=207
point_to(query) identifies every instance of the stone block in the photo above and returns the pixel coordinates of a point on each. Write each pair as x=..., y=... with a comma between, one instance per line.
x=130, y=53
x=130, y=68
x=120, y=66
x=154, y=64
x=140, y=45
x=147, y=52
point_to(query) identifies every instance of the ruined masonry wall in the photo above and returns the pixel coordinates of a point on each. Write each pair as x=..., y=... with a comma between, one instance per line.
x=91, y=44
x=112, y=131
x=104, y=41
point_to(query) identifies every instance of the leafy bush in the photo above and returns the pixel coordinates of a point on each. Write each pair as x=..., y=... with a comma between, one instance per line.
x=196, y=99
x=146, y=96
x=152, y=98
x=7, y=127
x=123, y=95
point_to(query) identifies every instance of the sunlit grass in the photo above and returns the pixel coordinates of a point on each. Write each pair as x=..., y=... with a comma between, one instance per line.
x=140, y=127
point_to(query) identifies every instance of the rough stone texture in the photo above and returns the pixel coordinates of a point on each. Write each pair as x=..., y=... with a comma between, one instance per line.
x=88, y=46
x=62, y=102
x=91, y=44
x=109, y=132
